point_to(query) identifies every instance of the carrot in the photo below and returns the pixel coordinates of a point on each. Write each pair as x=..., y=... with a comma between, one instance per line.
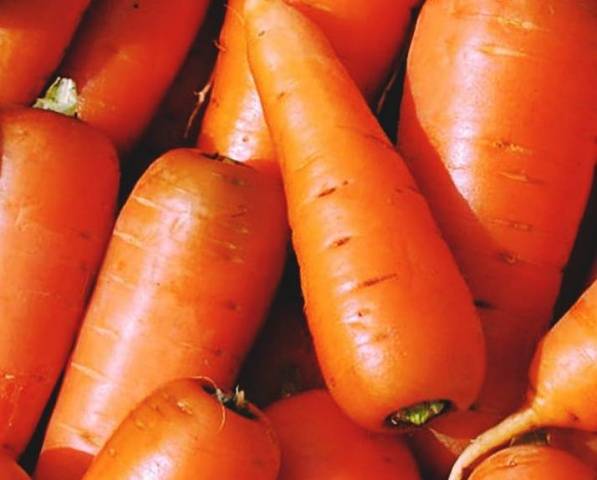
x=532, y=462
x=58, y=185
x=193, y=263
x=581, y=444
x=234, y=125
x=187, y=430
x=320, y=443
x=502, y=147
x=387, y=308
x=33, y=37
x=124, y=57
x=442, y=440
x=563, y=383
x=9, y=470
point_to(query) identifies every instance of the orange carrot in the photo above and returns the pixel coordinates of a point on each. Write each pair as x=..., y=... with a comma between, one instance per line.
x=581, y=444
x=185, y=430
x=58, y=185
x=563, y=383
x=497, y=124
x=9, y=470
x=193, y=263
x=532, y=462
x=33, y=37
x=388, y=310
x=234, y=124
x=438, y=445
x=320, y=443
x=124, y=57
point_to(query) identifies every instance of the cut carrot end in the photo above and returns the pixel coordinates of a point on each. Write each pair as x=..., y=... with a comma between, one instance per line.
x=61, y=97
x=417, y=415
x=235, y=401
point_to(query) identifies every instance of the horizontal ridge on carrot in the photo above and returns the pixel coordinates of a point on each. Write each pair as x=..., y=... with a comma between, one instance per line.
x=58, y=187
x=33, y=37
x=497, y=124
x=191, y=269
x=387, y=307
x=189, y=430
x=563, y=383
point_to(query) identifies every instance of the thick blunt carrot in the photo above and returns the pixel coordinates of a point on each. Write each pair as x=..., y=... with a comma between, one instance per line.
x=186, y=430
x=387, y=307
x=124, y=58
x=58, y=186
x=320, y=443
x=33, y=37
x=194, y=260
x=9, y=470
x=234, y=124
x=563, y=383
x=532, y=462
x=497, y=124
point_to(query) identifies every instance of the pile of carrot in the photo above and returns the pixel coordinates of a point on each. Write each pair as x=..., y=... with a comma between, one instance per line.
x=374, y=219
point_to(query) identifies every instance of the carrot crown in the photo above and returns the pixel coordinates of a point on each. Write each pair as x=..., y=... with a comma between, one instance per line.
x=61, y=97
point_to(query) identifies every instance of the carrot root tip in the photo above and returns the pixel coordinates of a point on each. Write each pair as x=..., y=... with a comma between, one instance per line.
x=417, y=415
x=61, y=97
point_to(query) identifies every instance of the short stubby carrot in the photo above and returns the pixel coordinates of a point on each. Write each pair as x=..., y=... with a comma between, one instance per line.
x=58, y=187
x=387, y=308
x=532, y=462
x=497, y=125
x=234, y=124
x=319, y=442
x=33, y=37
x=192, y=266
x=9, y=470
x=187, y=430
x=563, y=383
x=123, y=59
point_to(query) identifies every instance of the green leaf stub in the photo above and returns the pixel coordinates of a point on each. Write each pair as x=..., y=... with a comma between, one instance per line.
x=61, y=97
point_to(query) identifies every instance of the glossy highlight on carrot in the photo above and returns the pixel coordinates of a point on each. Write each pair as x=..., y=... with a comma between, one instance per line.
x=58, y=187
x=192, y=267
x=563, y=383
x=500, y=139
x=33, y=37
x=123, y=59
x=186, y=430
x=386, y=305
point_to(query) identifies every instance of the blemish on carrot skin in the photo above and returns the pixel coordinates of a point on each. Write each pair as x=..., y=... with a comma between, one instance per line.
x=520, y=226
x=483, y=304
x=184, y=407
x=326, y=192
x=140, y=424
x=261, y=33
x=375, y=280
x=520, y=177
x=339, y=242
x=499, y=51
x=508, y=257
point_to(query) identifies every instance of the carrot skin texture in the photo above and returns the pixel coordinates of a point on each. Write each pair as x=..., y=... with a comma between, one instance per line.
x=194, y=260
x=582, y=445
x=315, y=437
x=181, y=432
x=502, y=147
x=58, y=186
x=562, y=388
x=33, y=37
x=234, y=125
x=385, y=303
x=532, y=462
x=124, y=58
x=9, y=470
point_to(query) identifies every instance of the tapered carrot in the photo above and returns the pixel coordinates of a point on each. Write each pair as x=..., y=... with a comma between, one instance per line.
x=502, y=146
x=58, y=185
x=234, y=124
x=186, y=430
x=320, y=443
x=33, y=37
x=9, y=470
x=124, y=57
x=563, y=383
x=533, y=462
x=193, y=263
x=387, y=308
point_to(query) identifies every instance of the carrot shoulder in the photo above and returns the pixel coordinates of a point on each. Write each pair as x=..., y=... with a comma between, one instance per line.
x=388, y=310
x=33, y=37
x=192, y=266
x=58, y=186
x=124, y=57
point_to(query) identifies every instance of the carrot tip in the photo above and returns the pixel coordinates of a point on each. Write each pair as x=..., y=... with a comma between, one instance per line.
x=235, y=401
x=61, y=97
x=417, y=415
